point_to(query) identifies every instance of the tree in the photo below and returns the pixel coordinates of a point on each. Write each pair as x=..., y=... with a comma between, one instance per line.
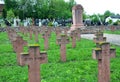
x=10, y=4
x=10, y=14
x=4, y=13
x=71, y=4
x=108, y=13
x=40, y=8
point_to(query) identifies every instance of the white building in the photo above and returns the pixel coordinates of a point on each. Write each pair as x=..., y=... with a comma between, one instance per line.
x=114, y=18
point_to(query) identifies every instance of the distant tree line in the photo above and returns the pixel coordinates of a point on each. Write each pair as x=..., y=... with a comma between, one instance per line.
x=50, y=9
x=38, y=8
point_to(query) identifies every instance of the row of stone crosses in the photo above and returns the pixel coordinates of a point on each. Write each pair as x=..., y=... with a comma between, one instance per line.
x=34, y=57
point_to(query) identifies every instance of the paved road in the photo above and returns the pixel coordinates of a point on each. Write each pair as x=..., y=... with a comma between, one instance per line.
x=112, y=38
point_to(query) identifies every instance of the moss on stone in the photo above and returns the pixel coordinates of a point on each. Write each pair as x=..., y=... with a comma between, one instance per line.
x=24, y=53
x=33, y=45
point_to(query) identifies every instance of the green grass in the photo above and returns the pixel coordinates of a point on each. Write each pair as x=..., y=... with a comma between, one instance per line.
x=79, y=67
x=112, y=32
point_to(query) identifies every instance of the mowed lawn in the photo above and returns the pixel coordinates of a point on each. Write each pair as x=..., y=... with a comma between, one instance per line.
x=79, y=67
x=112, y=32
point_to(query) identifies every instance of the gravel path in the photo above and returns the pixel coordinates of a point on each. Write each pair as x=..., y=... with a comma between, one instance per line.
x=112, y=38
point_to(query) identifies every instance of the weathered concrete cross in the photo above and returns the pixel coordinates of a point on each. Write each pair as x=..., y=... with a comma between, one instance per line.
x=112, y=28
x=33, y=59
x=103, y=54
x=35, y=34
x=99, y=37
x=62, y=41
x=78, y=34
x=58, y=31
x=46, y=36
x=30, y=32
x=73, y=35
x=18, y=46
x=11, y=34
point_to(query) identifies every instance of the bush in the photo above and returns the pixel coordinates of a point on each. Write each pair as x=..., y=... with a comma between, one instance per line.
x=10, y=14
x=50, y=24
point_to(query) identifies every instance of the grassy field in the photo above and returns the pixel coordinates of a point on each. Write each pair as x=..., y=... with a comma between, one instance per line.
x=112, y=32
x=79, y=67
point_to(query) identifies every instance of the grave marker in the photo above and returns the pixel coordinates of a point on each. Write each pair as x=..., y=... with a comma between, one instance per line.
x=99, y=37
x=46, y=36
x=73, y=35
x=33, y=59
x=18, y=46
x=77, y=11
x=78, y=34
x=103, y=54
x=62, y=41
x=36, y=34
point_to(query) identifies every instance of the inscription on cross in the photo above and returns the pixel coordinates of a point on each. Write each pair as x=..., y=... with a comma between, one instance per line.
x=33, y=59
x=103, y=54
x=18, y=46
x=62, y=41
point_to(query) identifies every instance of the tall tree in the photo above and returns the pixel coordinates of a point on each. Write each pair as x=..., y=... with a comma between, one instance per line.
x=108, y=13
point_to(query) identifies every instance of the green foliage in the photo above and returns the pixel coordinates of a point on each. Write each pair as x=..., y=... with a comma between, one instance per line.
x=50, y=24
x=40, y=8
x=10, y=14
x=79, y=67
x=110, y=22
x=117, y=22
x=112, y=32
x=108, y=13
x=4, y=13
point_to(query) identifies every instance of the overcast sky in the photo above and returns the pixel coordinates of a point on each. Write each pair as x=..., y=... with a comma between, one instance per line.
x=100, y=6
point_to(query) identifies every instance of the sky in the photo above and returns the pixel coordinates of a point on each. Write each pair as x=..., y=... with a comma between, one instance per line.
x=99, y=6
x=1, y=2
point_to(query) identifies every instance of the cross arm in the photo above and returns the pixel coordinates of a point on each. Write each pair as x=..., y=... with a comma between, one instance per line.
x=23, y=59
x=96, y=53
x=112, y=52
x=43, y=57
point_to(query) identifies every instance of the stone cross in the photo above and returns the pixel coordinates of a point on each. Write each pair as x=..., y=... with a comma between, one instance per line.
x=77, y=11
x=18, y=46
x=73, y=35
x=58, y=31
x=33, y=59
x=78, y=34
x=12, y=34
x=103, y=55
x=36, y=34
x=112, y=28
x=46, y=36
x=21, y=29
x=65, y=30
x=42, y=30
x=49, y=30
x=30, y=32
x=62, y=41
x=99, y=37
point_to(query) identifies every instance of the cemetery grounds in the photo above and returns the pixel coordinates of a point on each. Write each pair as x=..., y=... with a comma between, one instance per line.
x=79, y=67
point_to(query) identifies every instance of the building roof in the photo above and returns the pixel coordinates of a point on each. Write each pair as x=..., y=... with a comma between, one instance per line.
x=115, y=16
